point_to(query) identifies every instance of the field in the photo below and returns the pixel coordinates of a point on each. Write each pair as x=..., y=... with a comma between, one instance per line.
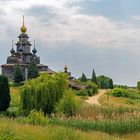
x=12, y=130
x=90, y=122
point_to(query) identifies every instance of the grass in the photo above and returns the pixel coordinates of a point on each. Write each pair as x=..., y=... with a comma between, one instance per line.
x=90, y=122
x=107, y=99
x=10, y=129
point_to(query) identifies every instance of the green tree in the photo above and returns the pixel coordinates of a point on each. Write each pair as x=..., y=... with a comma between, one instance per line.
x=104, y=82
x=33, y=70
x=111, y=84
x=138, y=85
x=18, y=77
x=4, y=93
x=43, y=92
x=93, y=78
x=83, y=78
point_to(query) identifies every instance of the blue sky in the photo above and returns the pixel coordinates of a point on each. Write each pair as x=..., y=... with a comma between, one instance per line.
x=99, y=34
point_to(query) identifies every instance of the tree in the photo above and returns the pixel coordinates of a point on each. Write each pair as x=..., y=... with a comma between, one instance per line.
x=93, y=78
x=43, y=92
x=138, y=85
x=111, y=84
x=83, y=78
x=4, y=93
x=18, y=77
x=33, y=70
x=104, y=82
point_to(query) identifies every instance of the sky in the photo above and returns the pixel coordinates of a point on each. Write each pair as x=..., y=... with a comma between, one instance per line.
x=103, y=35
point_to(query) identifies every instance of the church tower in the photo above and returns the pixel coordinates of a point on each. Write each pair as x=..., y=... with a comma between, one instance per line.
x=22, y=55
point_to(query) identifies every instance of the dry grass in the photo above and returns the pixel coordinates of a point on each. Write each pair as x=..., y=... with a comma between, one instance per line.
x=114, y=101
x=11, y=130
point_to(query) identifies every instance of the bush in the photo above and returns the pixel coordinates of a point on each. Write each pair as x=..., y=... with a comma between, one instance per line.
x=4, y=93
x=35, y=118
x=68, y=104
x=89, y=91
x=120, y=92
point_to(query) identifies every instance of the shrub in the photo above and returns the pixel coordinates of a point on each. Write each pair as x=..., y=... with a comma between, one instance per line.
x=68, y=104
x=120, y=92
x=35, y=118
x=4, y=93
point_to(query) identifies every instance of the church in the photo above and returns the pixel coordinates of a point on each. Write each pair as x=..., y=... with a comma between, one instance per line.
x=22, y=56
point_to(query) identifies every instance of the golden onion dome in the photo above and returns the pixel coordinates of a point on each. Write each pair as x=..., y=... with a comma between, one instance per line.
x=23, y=27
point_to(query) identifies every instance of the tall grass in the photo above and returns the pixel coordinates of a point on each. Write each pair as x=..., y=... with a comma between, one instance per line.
x=92, y=112
x=11, y=130
x=120, y=127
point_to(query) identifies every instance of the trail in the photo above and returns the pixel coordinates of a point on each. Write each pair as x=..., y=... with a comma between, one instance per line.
x=94, y=99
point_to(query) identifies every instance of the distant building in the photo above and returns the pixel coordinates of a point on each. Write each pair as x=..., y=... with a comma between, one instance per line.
x=22, y=56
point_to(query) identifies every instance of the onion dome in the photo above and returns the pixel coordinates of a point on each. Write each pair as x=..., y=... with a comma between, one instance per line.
x=20, y=49
x=23, y=27
x=34, y=51
x=12, y=51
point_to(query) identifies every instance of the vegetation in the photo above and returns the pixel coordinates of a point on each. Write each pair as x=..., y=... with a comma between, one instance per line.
x=105, y=82
x=119, y=92
x=4, y=93
x=12, y=130
x=68, y=105
x=32, y=70
x=138, y=85
x=93, y=78
x=43, y=93
x=18, y=77
x=83, y=78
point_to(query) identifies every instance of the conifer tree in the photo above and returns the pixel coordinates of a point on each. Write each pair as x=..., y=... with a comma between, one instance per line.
x=93, y=78
x=111, y=84
x=18, y=77
x=33, y=70
x=4, y=93
x=83, y=78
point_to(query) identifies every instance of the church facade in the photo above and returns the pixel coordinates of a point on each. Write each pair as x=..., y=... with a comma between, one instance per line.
x=22, y=56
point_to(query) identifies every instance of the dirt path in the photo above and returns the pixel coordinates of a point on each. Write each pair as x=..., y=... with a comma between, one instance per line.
x=94, y=99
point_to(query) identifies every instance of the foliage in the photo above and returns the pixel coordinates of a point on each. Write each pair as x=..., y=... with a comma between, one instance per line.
x=89, y=91
x=4, y=93
x=35, y=118
x=111, y=84
x=83, y=78
x=120, y=92
x=104, y=82
x=68, y=105
x=91, y=88
x=93, y=78
x=18, y=77
x=32, y=70
x=43, y=92
x=138, y=85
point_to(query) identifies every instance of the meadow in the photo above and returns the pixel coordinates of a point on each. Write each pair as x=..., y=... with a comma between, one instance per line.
x=114, y=120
